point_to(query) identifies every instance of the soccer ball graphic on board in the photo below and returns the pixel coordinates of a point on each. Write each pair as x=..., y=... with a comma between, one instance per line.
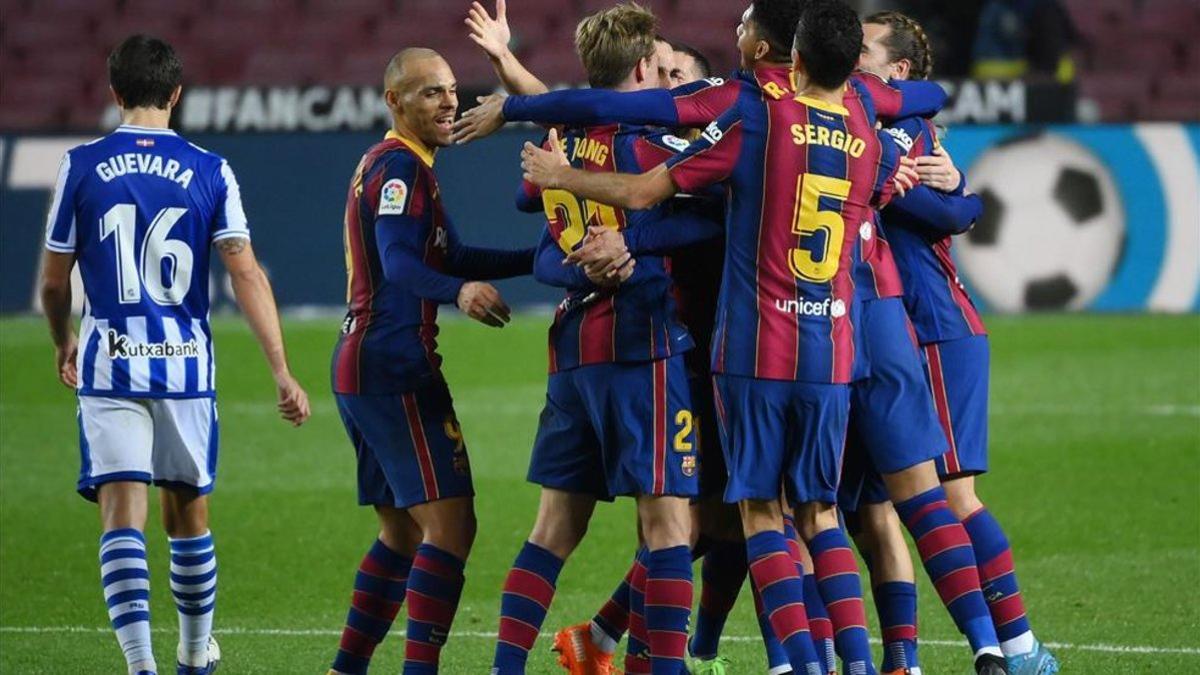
x=1052, y=230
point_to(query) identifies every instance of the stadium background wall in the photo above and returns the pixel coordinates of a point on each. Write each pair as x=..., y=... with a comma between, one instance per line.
x=1103, y=218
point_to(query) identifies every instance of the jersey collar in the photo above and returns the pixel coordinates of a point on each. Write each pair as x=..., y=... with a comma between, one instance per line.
x=835, y=108
x=133, y=129
x=413, y=144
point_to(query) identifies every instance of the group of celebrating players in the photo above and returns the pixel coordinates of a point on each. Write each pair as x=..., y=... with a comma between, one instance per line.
x=793, y=222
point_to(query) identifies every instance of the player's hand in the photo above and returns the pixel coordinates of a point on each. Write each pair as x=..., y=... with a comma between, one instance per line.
x=293, y=400
x=541, y=166
x=938, y=171
x=906, y=176
x=481, y=121
x=613, y=274
x=482, y=302
x=64, y=357
x=604, y=257
x=492, y=35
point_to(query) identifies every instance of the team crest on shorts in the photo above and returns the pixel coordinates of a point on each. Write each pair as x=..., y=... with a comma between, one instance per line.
x=688, y=465
x=461, y=463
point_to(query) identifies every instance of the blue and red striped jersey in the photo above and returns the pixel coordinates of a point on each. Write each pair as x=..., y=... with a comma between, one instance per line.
x=403, y=259
x=802, y=175
x=638, y=320
x=701, y=102
x=920, y=227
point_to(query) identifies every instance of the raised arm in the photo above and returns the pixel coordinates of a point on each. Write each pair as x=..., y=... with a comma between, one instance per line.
x=898, y=99
x=493, y=35
x=549, y=169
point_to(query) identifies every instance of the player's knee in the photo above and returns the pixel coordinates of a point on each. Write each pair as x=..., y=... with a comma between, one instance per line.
x=879, y=520
x=814, y=517
x=449, y=525
x=560, y=536
x=960, y=495
x=666, y=522
x=760, y=516
x=122, y=504
x=185, y=518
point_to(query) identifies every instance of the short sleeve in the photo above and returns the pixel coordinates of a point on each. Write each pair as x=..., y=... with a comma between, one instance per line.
x=230, y=218
x=60, y=221
x=711, y=158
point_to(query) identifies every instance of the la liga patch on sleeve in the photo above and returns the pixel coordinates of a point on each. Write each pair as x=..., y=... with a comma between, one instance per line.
x=393, y=198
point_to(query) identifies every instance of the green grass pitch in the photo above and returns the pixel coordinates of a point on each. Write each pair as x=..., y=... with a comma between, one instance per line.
x=1096, y=477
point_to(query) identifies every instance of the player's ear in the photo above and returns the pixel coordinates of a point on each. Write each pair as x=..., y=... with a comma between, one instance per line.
x=640, y=70
x=391, y=98
x=174, y=100
x=761, y=49
x=797, y=66
x=901, y=69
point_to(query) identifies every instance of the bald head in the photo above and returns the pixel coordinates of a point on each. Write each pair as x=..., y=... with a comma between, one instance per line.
x=404, y=62
x=420, y=90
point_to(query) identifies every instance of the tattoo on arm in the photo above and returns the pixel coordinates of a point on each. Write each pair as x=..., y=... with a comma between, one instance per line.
x=232, y=245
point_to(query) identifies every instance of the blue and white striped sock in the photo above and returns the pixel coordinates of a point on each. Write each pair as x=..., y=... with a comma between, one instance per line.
x=126, y=581
x=194, y=585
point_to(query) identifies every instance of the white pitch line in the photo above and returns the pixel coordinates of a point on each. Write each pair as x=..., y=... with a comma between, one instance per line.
x=325, y=632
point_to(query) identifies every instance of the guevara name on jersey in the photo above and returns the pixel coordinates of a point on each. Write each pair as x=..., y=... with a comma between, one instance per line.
x=140, y=209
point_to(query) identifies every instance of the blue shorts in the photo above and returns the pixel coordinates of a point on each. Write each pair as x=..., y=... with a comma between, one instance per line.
x=958, y=375
x=410, y=447
x=779, y=433
x=893, y=424
x=713, y=476
x=861, y=482
x=613, y=429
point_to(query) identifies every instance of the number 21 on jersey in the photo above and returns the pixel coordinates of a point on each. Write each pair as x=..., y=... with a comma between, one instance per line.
x=572, y=216
x=820, y=231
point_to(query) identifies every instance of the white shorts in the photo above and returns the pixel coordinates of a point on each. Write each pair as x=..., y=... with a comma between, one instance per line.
x=165, y=441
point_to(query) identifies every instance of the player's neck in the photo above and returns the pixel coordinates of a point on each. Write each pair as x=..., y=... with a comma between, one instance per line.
x=810, y=90
x=151, y=118
x=401, y=129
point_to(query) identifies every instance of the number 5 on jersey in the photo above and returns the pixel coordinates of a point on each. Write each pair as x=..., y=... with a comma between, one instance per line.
x=820, y=231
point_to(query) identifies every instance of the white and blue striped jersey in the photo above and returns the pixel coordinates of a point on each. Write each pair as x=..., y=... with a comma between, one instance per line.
x=140, y=209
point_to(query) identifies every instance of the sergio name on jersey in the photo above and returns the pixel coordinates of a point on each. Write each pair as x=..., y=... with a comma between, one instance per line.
x=140, y=209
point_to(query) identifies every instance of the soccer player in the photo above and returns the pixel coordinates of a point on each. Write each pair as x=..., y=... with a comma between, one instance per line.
x=690, y=65
x=404, y=259
x=618, y=420
x=695, y=271
x=783, y=351
x=692, y=106
x=139, y=210
x=950, y=331
x=885, y=403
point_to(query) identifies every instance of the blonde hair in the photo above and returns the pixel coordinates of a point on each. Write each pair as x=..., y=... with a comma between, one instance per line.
x=612, y=41
x=907, y=41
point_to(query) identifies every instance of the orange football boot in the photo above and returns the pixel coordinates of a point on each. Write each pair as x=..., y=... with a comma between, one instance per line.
x=578, y=655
